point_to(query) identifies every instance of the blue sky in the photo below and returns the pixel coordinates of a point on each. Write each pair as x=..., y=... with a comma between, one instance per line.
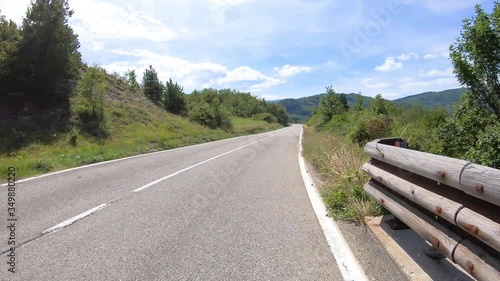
x=275, y=49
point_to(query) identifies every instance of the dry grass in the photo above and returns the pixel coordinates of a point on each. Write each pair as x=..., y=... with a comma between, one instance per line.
x=338, y=162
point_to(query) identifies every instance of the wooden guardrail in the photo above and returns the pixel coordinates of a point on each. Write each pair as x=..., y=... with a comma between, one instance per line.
x=452, y=203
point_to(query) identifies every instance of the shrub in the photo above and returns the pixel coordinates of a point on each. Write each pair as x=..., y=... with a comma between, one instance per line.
x=268, y=117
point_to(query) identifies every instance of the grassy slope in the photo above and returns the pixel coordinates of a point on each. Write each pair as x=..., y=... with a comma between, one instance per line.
x=135, y=125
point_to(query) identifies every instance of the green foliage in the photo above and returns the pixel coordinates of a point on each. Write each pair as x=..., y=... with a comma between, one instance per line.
x=370, y=128
x=92, y=88
x=151, y=86
x=211, y=115
x=173, y=99
x=47, y=63
x=443, y=99
x=234, y=103
x=268, y=117
x=10, y=36
x=379, y=105
x=331, y=104
x=131, y=78
x=470, y=131
x=476, y=58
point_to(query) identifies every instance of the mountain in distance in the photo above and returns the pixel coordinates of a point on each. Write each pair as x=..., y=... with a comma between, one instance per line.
x=301, y=108
x=444, y=99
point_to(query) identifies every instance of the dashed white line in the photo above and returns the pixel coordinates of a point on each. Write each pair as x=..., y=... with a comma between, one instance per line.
x=347, y=263
x=137, y=156
x=193, y=166
x=74, y=219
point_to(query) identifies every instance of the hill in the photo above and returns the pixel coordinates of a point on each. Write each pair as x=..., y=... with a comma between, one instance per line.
x=445, y=98
x=301, y=108
x=39, y=144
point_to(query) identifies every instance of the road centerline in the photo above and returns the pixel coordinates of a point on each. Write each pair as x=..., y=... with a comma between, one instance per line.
x=194, y=166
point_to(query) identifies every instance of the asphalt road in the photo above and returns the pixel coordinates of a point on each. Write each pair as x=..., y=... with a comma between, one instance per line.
x=230, y=210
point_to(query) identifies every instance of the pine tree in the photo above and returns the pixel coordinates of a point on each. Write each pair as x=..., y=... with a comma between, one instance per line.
x=174, y=98
x=48, y=61
x=152, y=86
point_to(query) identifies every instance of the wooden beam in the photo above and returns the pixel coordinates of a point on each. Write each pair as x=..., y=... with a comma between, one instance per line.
x=471, y=221
x=482, y=182
x=433, y=202
x=476, y=261
x=478, y=181
x=481, y=227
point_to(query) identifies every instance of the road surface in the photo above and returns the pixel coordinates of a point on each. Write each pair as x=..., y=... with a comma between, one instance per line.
x=230, y=210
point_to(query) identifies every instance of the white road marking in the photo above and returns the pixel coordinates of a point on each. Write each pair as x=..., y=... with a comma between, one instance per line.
x=347, y=263
x=137, y=156
x=74, y=219
x=193, y=166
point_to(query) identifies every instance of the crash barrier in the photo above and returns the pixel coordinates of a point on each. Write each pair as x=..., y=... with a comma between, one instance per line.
x=453, y=204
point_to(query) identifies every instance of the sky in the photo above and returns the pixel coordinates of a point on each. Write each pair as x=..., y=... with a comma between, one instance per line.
x=275, y=49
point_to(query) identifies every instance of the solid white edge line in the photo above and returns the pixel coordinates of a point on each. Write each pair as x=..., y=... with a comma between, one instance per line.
x=74, y=219
x=193, y=166
x=346, y=261
x=137, y=156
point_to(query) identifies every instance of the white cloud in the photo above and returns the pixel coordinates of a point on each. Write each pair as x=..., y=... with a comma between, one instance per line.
x=289, y=70
x=372, y=84
x=378, y=85
x=430, y=56
x=95, y=19
x=333, y=64
x=268, y=83
x=190, y=74
x=408, y=56
x=430, y=85
x=389, y=65
x=242, y=73
x=436, y=73
x=230, y=2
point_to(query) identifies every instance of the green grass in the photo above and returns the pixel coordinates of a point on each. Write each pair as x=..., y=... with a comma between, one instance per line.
x=338, y=162
x=246, y=125
x=135, y=126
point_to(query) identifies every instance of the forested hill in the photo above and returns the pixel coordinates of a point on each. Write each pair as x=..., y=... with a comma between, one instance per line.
x=301, y=108
x=445, y=98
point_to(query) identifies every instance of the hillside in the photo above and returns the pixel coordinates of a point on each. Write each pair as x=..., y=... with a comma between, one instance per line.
x=301, y=108
x=134, y=126
x=445, y=98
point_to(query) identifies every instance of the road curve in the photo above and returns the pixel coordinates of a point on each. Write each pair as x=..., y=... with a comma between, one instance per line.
x=229, y=210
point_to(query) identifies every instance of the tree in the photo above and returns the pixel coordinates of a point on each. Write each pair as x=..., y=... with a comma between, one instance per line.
x=10, y=36
x=174, y=98
x=476, y=58
x=379, y=106
x=132, y=81
x=48, y=62
x=332, y=104
x=151, y=86
x=92, y=88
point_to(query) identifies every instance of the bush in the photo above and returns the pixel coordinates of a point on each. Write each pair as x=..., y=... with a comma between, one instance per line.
x=211, y=116
x=369, y=129
x=268, y=117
